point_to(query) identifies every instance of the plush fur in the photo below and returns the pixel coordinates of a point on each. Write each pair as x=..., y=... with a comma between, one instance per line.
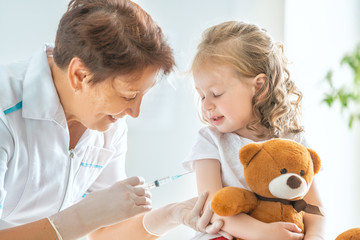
x=277, y=168
x=351, y=234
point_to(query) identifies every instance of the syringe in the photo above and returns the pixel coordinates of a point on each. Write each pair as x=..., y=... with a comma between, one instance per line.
x=161, y=181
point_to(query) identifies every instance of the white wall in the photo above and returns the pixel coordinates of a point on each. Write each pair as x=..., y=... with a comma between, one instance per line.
x=26, y=25
x=317, y=34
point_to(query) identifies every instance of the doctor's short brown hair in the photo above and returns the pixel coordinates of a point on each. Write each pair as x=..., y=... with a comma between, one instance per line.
x=111, y=37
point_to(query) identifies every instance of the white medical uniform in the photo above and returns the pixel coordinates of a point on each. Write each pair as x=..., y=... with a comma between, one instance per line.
x=38, y=174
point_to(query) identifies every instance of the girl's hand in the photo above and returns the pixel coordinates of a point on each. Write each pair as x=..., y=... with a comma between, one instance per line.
x=313, y=237
x=190, y=214
x=281, y=231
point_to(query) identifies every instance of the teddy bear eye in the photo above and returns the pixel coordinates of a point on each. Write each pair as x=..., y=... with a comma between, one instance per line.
x=302, y=173
x=283, y=171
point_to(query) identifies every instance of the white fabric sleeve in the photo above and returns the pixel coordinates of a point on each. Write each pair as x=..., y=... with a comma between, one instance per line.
x=205, y=147
x=114, y=171
x=297, y=137
x=303, y=140
x=6, y=150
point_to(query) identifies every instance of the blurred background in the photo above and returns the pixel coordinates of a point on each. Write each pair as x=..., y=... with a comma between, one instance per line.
x=316, y=35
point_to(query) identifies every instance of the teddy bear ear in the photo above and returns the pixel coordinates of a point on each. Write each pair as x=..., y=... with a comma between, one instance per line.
x=316, y=160
x=247, y=153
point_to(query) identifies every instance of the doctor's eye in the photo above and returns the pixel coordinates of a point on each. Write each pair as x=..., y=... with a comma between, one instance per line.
x=130, y=98
x=283, y=171
x=302, y=173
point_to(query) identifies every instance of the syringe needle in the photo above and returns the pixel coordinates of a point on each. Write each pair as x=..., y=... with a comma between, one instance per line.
x=161, y=181
x=180, y=175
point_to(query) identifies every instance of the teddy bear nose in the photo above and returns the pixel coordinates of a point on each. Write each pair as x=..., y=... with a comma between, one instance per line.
x=293, y=182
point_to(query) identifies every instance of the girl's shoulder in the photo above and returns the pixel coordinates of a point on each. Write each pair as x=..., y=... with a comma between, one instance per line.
x=213, y=133
x=219, y=138
x=297, y=137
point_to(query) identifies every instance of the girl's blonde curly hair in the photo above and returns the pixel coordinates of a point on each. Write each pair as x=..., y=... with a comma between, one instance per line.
x=251, y=51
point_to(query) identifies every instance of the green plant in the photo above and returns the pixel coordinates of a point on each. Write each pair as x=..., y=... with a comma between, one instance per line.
x=348, y=95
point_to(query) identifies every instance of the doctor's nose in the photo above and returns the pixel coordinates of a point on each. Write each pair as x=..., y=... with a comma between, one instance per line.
x=134, y=110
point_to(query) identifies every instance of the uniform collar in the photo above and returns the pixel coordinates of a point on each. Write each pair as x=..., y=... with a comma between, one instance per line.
x=40, y=99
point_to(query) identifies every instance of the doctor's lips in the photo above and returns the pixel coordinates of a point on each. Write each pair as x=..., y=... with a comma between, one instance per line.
x=113, y=118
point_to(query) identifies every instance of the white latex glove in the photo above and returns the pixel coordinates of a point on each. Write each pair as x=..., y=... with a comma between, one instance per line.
x=122, y=200
x=192, y=215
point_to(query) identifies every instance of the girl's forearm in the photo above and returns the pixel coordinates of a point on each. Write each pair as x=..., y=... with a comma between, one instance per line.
x=314, y=227
x=39, y=230
x=242, y=226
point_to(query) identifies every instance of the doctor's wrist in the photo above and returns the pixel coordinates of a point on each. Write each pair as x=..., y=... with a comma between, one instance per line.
x=55, y=229
x=159, y=221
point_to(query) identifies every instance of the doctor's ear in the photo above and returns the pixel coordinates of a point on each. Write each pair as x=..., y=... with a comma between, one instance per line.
x=78, y=73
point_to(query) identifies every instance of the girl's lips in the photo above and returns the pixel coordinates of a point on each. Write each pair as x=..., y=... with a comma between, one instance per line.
x=217, y=120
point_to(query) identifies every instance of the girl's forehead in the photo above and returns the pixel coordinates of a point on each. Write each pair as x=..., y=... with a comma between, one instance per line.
x=220, y=76
x=214, y=73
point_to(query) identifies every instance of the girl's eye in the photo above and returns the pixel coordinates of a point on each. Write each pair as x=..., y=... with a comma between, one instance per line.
x=217, y=95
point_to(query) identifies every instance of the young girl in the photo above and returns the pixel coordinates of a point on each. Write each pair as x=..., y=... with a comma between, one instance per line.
x=246, y=96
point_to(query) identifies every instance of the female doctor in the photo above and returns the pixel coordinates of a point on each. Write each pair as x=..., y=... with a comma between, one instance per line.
x=63, y=133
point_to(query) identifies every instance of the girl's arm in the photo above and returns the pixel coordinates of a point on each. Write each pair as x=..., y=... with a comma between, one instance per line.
x=314, y=224
x=208, y=176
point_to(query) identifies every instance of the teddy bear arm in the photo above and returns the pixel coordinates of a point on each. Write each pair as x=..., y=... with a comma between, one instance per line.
x=351, y=234
x=232, y=200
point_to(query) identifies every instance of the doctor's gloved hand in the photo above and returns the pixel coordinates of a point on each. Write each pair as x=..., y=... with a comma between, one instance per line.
x=122, y=200
x=192, y=215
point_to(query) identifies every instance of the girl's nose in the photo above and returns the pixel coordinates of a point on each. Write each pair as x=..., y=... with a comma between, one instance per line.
x=208, y=105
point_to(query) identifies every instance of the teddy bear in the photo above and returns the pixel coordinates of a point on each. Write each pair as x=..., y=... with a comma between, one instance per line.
x=351, y=234
x=279, y=173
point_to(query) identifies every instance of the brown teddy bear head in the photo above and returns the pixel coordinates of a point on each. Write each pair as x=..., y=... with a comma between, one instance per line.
x=279, y=168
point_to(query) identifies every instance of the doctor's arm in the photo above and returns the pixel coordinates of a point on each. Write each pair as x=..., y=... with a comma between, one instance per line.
x=208, y=177
x=41, y=229
x=159, y=221
x=123, y=201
